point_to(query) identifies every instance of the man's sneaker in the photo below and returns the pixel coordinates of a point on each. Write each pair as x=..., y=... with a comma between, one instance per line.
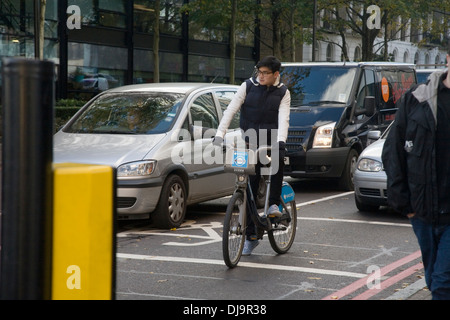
x=274, y=211
x=249, y=246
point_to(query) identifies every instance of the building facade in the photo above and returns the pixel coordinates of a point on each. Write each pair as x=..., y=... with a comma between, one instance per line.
x=101, y=44
x=411, y=44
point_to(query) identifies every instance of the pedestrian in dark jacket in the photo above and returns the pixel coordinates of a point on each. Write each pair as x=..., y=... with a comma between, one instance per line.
x=416, y=157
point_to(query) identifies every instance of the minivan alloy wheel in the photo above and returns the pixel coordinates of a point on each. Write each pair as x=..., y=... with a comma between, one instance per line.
x=171, y=208
x=176, y=202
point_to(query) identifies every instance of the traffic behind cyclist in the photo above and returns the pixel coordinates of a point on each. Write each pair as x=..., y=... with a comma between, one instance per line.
x=264, y=103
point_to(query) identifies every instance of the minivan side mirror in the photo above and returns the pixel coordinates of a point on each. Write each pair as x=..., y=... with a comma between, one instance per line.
x=374, y=135
x=369, y=107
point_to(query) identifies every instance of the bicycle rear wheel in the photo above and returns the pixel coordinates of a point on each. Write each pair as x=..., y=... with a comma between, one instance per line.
x=282, y=238
x=234, y=230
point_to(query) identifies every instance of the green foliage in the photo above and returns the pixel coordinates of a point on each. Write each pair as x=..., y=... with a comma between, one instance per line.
x=65, y=109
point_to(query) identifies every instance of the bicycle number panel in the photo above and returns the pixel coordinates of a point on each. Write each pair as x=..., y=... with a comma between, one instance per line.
x=240, y=161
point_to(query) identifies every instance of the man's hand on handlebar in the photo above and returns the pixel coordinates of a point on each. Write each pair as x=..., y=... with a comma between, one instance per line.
x=217, y=141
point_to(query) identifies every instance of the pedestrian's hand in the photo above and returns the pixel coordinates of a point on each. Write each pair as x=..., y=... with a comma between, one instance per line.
x=217, y=141
x=411, y=215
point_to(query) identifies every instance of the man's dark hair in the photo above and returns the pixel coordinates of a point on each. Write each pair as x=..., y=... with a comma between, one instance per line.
x=270, y=62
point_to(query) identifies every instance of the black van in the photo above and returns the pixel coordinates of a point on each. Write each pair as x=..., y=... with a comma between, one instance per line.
x=334, y=106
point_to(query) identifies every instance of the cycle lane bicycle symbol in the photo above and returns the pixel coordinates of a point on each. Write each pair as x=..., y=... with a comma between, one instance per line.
x=211, y=235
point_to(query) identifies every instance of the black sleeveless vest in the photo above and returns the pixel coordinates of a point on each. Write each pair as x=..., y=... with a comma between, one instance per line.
x=260, y=108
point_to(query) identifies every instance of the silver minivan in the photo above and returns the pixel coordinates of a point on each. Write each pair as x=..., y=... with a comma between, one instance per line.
x=158, y=137
x=370, y=178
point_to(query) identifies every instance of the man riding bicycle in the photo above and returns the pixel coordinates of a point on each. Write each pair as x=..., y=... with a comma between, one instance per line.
x=264, y=103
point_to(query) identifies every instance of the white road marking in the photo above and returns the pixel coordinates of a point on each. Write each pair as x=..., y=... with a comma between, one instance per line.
x=211, y=237
x=303, y=204
x=357, y=221
x=242, y=264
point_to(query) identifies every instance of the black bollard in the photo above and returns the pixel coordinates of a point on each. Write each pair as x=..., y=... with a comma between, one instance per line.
x=27, y=181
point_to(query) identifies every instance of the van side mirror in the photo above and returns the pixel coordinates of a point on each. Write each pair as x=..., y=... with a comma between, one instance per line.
x=369, y=105
x=368, y=108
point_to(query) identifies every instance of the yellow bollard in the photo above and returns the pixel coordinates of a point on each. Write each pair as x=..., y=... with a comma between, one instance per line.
x=83, y=233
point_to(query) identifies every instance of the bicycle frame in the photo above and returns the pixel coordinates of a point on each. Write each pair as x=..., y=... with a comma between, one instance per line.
x=241, y=165
x=281, y=230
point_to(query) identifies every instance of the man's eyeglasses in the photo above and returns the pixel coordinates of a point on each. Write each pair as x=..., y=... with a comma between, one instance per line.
x=264, y=73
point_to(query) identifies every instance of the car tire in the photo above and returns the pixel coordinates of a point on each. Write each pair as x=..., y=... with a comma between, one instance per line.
x=171, y=209
x=346, y=181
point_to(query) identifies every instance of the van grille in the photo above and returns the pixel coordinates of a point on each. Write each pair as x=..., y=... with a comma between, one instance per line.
x=295, y=140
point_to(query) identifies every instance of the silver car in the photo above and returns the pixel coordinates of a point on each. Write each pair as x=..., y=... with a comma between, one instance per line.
x=370, y=178
x=158, y=137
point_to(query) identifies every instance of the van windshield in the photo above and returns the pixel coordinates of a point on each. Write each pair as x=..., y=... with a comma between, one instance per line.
x=318, y=85
x=128, y=113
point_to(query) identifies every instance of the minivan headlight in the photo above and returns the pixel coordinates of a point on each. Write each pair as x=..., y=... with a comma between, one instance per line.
x=324, y=136
x=136, y=169
x=369, y=165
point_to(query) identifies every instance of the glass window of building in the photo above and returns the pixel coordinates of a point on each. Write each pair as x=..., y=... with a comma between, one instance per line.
x=111, y=13
x=170, y=69
x=17, y=29
x=169, y=16
x=93, y=69
x=217, y=70
x=105, y=13
x=208, y=69
x=88, y=11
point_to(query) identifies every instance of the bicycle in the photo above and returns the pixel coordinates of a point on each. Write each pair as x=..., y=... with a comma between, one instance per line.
x=280, y=230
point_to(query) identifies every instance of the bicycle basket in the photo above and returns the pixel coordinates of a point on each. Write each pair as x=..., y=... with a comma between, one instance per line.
x=240, y=161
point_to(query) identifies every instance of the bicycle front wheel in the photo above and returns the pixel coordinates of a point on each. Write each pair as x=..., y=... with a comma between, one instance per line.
x=282, y=237
x=234, y=230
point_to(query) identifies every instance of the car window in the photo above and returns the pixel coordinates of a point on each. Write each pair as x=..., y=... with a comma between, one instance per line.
x=204, y=113
x=225, y=98
x=318, y=85
x=422, y=77
x=394, y=83
x=130, y=113
x=366, y=88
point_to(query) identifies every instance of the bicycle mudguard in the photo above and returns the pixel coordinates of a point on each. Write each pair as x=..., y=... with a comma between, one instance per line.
x=287, y=193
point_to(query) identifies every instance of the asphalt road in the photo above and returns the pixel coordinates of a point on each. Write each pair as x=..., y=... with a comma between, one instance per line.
x=339, y=254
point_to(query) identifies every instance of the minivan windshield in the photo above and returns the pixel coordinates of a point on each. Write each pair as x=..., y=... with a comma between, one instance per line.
x=318, y=85
x=128, y=113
